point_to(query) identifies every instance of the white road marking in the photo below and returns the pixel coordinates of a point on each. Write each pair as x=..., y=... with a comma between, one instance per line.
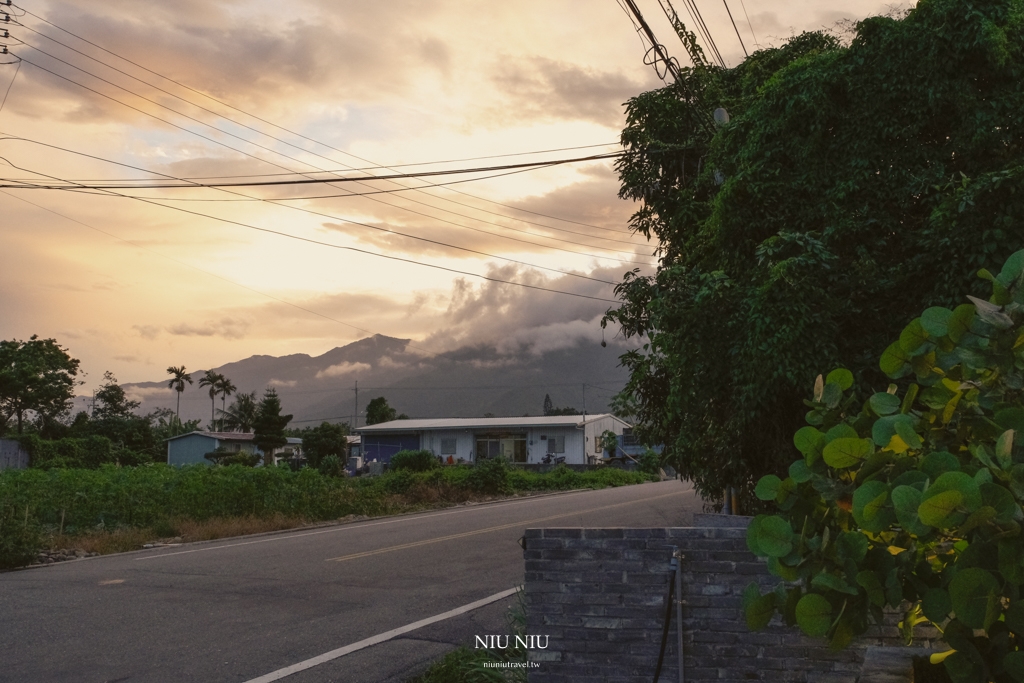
x=374, y=640
x=349, y=527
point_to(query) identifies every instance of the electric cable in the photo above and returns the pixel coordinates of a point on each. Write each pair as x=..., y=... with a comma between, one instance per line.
x=270, y=123
x=751, y=26
x=200, y=135
x=729, y=11
x=356, y=249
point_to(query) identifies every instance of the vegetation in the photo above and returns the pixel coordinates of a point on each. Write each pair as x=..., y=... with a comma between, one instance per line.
x=550, y=409
x=241, y=416
x=178, y=381
x=378, y=411
x=37, y=377
x=855, y=183
x=323, y=441
x=414, y=461
x=915, y=495
x=86, y=501
x=268, y=428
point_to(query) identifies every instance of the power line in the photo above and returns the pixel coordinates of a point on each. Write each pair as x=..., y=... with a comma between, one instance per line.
x=270, y=123
x=361, y=251
x=735, y=29
x=751, y=26
x=113, y=99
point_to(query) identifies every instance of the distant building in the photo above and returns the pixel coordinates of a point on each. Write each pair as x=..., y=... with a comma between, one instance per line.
x=191, y=448
x=519, y=439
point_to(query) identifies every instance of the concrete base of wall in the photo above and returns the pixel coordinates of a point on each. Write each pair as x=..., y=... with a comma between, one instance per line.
x=600, y=595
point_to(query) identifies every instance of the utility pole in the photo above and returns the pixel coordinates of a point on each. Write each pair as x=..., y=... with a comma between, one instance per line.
x=584, y=400
x=355, y=408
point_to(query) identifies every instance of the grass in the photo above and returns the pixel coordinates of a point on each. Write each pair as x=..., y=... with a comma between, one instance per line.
x=112, y=509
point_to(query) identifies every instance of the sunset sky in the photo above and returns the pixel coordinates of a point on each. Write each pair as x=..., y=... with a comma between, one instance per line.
x=133, y=287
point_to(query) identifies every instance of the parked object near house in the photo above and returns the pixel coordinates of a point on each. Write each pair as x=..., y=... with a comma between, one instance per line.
x=191, y=448
x=12, y=455
x=525, y=440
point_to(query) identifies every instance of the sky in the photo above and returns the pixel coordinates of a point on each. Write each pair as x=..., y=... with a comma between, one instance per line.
x=133, y=281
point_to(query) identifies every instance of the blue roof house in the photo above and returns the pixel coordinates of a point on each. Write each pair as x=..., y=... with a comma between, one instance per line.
x=191, y=448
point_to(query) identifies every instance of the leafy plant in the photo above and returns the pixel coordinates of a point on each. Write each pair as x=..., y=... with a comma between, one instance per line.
x=490, y=475
x=415, y=461
x=912, y=499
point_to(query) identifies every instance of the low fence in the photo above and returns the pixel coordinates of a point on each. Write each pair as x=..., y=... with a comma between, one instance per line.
x=599, y=595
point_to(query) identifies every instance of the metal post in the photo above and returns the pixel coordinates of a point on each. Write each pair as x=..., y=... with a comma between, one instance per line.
x=679, y=609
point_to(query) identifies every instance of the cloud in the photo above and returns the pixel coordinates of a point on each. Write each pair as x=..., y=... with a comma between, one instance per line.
x=136, y=393
x=228, y=328
x=282, y=382
x=127, y=359
x=147, y=331
x=342, y=369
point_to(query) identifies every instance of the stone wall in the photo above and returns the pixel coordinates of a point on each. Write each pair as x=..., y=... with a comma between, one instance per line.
x=600, y=596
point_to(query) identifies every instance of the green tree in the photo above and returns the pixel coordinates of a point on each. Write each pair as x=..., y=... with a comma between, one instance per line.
x=241, y=416
x=802, y=230
x=36, y=376
x=180, y=377
x=112, y=401
x=378, y=411
x=225, y=387
x=327, y=439
x=212, y=380
x=269, y=426
x=114, y=418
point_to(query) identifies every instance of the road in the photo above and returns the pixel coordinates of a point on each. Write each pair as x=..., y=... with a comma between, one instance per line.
x=238, y=609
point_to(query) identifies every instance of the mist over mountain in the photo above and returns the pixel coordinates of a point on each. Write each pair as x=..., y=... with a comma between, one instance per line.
x=470, y=381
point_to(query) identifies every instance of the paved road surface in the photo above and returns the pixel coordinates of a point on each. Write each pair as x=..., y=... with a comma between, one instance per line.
x=238, y=609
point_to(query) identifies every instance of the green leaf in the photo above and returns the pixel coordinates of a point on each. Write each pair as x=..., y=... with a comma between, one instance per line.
x=913, y=337
x=939, y=510
x=814, y=614
x=869, y=504
x=908, y=400
x=960, y=322
x=847, y=452
x=832, y=395
x=800, y=472
x=840, y=376
x=825, y=580
x=753, y=531
x=810, y=442
x=906, y=500
x=934, y=464
x=1010, y=418
x=750, y=593
x=760, y=611
x=868, y=580
x=935, y=321
x=768, y=487
x=885, y=427
x=774, y=537
x=905, y=430
x=852, y=545
x=1013, y=664
x=957, y=481
x=963, y=669
x=1017, y=480
x=883, y=403
x=1001, y=500
x=974, y=593
x=936, y=605
x=1015, y=617
x=895, y=362
x=1011, y=560
x=1012, y=269
x=841, y=431
x=1004, y=448
x=784, y=572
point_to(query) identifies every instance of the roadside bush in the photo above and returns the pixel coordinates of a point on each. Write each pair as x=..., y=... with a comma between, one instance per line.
x=331, y=466
x=397, y=481
x=490, y=476
x=20, y=537
x=914, y=500
x=414, y=461
x=649, y=463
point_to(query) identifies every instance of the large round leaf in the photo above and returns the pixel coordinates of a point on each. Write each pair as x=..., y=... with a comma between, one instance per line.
x=935, y=321
x=847, y=452
x=772, y=536
x=814, y=614
x=840, y=376
x=912, y=337
x=869, y=506
x=885, y=427
x=906, y=500
x=810, y=442
x=974, y=593
x=884, y=403
x=1013, y=663
x=768, y=487
x=934, y=464
x=960, y=322
x=1001, y=500
x=957, y=481
x=799, y=472
x=1015, y=617
x=936, y=605
x=1010, y=418
x=943, y=510
x=895, y=362
x=759, y=611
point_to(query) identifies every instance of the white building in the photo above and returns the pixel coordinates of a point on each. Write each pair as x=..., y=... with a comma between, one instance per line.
x=519, y=439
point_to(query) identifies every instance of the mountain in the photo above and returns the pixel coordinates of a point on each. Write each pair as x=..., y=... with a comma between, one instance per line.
x=468, y=382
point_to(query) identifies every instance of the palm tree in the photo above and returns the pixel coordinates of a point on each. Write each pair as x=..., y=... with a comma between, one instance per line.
x=242, y=414
x=225, y=388
x=211, y=379
x=178, y=384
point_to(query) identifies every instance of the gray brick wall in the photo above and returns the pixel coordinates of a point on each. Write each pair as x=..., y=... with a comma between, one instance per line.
x=600, y=596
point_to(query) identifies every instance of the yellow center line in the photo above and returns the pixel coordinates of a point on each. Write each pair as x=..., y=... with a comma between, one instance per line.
x=440, y=539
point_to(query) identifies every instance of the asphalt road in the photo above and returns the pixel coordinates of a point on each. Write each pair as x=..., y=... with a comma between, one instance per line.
x=238, y=609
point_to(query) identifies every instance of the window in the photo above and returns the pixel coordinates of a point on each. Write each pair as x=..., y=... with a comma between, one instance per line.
x=447, y=446
x=556, y=444
x=510, y=446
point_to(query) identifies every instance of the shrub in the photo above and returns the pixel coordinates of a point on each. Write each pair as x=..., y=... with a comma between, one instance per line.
x=20, y=537
x=331, y=466
x=914, y=499
x=649, y=463
x=398, y=481
x=414, y=461
x=490, y=476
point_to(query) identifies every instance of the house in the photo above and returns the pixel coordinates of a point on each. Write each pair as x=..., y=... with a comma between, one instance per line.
x=191, y=448
x=519, y=439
